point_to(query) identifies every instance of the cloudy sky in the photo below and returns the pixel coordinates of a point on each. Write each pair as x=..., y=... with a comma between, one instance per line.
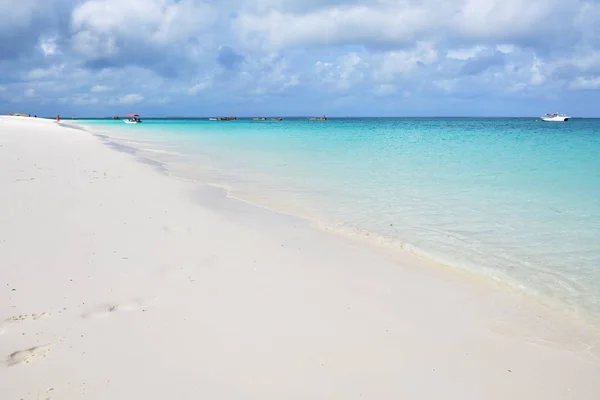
x=300, y=57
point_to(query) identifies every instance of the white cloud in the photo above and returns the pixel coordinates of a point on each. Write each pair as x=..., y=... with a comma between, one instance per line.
x=100, y=89
x=506, y=48
x=198, y=87
x=293, y=80
x=348, y=70
x=537, y=77
x=508, y=19
x=465, y=53
x=355, y=48
x=49, y=46
x=401, y=63
x=131, y=99
x=94, y=45
x=334, y=25
x=388, y=22
x=385, y=89
x=53, y=72
x=84, y=99
x=29, y=92
x=588, y=60
x=581, y=83
x=263, y=74
x=98, y=24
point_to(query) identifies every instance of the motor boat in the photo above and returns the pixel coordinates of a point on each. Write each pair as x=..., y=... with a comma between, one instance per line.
x=133, y=119
x=555, y=117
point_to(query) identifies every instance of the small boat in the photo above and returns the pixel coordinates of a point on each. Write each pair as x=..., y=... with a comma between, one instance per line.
x=277, y=119
x=323, y=118
x=555, y=117
x=133, y=119
x=212, y=119
x=226, y=118
x=259, y=119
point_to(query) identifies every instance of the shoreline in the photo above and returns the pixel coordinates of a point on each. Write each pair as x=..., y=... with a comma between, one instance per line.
x=403, y=249
x=156, y=287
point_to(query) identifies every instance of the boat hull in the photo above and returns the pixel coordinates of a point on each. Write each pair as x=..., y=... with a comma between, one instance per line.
x=555, y=119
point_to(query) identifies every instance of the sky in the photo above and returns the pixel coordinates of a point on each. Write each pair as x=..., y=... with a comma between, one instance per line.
x=190, y=58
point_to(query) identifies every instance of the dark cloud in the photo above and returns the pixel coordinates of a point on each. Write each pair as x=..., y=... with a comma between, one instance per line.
x=170, y=52
x=481, y=63
x=22, y=29
x=228, y=58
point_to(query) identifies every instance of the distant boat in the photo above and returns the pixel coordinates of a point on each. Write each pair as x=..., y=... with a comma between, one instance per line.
x=116, y=117
x=277, y=119
x=212, y=119
x=226, y=118
x=133, y=119
x=259, y=119
x=323, y=118
x=555, y=117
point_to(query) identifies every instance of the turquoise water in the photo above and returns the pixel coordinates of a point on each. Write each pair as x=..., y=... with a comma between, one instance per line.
x=515, y=199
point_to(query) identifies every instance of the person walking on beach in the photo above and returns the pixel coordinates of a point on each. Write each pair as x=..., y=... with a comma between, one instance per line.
x=57, y=118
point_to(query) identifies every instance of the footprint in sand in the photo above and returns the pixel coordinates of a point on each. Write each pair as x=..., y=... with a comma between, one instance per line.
x=22, y=318
x=177, y=229
x=105, y=309
x=28, y=355
x=27, y=317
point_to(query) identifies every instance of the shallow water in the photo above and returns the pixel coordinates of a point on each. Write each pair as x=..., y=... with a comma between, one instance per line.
x=515, y=199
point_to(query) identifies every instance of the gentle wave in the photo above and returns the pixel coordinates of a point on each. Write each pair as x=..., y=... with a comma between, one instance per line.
x=510, y=199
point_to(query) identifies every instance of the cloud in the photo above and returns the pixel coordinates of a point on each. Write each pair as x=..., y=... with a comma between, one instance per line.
x=378, y=23
x=347, y=71
x=84, y=99
x=581, y=83
x=401, y=63
x=167, y=35
x=30, y=92
x=54, y=71
x=447, y=85
x=344, y=24
x=198, y=87
x=465, y=53
x=228, y=58
x=481, y=62
x=385, y=89
x=49, y=46
x=100, y=89
x=131, y=99
x=297, y=54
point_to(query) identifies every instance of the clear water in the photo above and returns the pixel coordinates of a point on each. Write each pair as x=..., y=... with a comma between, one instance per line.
x=515, y=199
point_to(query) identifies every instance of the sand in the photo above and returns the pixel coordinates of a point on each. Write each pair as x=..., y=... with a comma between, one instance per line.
x=118, y=281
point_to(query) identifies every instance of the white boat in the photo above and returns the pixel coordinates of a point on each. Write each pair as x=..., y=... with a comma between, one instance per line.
x=555, y=117
x=132, y=119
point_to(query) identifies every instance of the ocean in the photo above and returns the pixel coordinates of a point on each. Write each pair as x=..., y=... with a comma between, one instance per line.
x=514, y=199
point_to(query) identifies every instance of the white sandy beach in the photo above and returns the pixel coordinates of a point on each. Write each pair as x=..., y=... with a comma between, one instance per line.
x=118, y=281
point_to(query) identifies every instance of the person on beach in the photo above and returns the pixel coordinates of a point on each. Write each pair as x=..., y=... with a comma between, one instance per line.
x=57, y=118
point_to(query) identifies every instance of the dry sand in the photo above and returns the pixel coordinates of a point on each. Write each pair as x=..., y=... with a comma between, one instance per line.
x=120, y=282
